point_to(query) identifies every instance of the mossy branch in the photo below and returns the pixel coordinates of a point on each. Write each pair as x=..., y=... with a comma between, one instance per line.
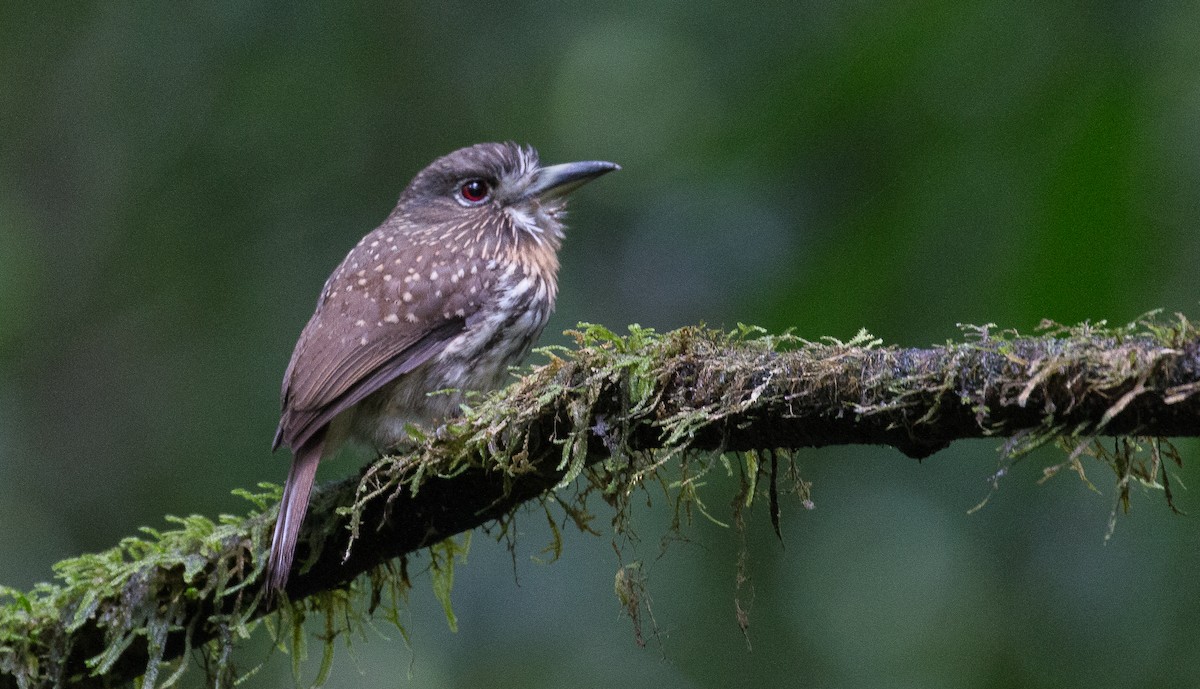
x=617, y=409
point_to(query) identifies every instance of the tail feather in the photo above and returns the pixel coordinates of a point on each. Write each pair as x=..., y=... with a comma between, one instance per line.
x=292, y=508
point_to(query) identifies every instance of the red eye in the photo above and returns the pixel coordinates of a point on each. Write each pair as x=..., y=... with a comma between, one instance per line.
x=474, y=191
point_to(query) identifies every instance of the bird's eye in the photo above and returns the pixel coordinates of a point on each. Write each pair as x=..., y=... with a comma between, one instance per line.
x=474, y=191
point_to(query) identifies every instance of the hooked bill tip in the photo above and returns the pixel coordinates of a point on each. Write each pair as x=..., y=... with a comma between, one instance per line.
x=559, y=180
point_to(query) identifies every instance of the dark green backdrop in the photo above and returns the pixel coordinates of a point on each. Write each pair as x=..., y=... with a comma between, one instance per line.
x=177, y=180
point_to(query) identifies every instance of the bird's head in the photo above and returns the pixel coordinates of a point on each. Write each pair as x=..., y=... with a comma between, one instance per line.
x=497, y=189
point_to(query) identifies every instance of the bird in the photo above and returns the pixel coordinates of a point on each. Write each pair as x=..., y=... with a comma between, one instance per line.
x=448, y=293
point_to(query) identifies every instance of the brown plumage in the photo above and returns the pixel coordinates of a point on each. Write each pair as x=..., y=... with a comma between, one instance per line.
x=451, y=289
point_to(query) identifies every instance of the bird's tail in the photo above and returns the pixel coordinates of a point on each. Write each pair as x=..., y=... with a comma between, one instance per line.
x=292, y=508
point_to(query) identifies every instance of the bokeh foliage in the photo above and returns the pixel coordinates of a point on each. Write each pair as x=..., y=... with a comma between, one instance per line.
x=177, y=181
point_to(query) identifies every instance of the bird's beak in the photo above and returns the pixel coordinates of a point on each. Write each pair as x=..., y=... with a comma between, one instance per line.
x=559, y=180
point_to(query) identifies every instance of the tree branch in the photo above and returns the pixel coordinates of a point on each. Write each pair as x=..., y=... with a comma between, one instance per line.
x=630, y=403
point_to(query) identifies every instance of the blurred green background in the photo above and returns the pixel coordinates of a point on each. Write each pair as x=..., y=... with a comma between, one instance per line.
x=177, y=181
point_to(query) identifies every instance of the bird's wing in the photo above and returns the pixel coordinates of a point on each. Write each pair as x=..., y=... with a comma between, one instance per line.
x=365, y=336
x=314, y=399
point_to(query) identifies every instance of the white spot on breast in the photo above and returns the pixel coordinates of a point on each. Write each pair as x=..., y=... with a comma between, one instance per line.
x=411, y=317
x=407, y=296
x=517, y=293
x=360, y=323
x=391, y=318
x=362, y=281
x=433, y=275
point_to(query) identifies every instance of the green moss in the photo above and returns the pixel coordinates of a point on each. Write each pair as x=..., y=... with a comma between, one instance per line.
x=643, y=414
x=139, y=589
